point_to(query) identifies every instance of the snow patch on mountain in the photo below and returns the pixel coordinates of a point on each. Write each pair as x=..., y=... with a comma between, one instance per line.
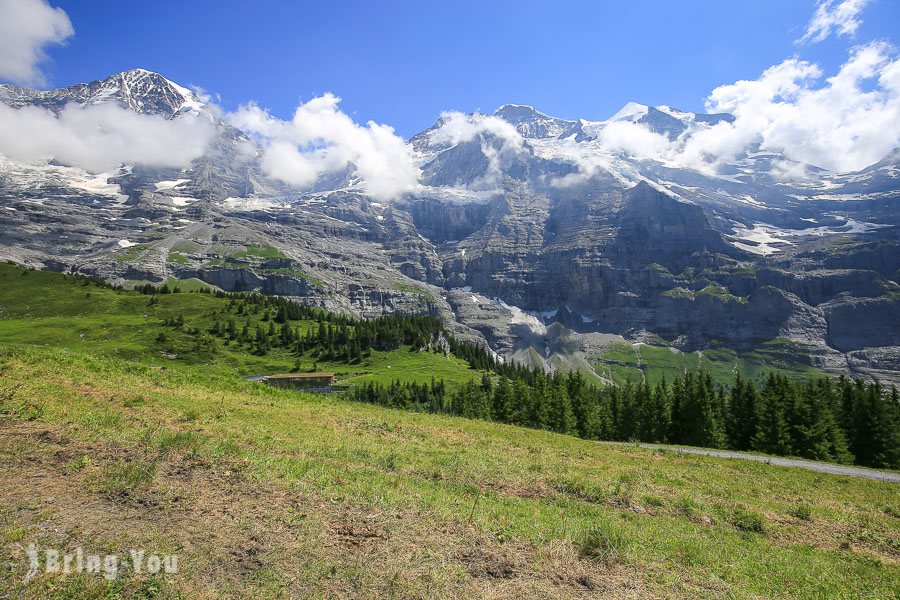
x=40, y=173
x=631, y=112
x=768, y=239
x=169, y=185
x=249, y=204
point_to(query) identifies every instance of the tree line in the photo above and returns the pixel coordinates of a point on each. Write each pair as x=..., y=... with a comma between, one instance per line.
x=819, y=418
x=265, y=322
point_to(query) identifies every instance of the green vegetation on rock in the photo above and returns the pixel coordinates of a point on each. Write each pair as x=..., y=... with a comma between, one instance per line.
x=130, y=253
x=717, y=291
x=405, y=287
x=180, y=259
x=259, y=251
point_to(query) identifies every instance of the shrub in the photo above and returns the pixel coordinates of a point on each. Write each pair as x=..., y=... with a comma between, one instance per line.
x=801, y=511
x=604, y=543
x=745, y=520
x=76, y=465
x=687, y=507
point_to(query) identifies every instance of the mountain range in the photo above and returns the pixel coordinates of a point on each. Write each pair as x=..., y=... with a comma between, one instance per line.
x=542, y=238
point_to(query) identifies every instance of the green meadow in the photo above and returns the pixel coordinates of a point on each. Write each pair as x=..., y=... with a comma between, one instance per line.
x=332, y=498
x=50, y=309
x=270, y=493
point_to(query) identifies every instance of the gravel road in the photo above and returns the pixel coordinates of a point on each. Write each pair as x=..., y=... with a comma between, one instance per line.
x=781, y=462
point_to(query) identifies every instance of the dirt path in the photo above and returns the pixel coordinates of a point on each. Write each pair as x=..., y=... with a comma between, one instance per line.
x=780, y=462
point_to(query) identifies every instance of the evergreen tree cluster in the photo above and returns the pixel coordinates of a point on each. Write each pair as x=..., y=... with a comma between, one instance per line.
x=409, y=395
x=333, y=337
x=836, y=420
x=148, y=289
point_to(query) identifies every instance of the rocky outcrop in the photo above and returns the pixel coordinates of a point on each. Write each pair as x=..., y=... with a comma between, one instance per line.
x=855, y=324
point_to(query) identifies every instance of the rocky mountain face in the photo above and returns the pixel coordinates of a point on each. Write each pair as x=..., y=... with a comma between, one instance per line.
x=142, y=91
x=547, y=249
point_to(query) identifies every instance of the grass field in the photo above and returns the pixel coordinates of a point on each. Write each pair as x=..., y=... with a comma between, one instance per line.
x=50, y=309
x=272, y=493
x=622, y=361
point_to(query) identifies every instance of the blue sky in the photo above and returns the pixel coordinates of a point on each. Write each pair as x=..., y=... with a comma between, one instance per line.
x=403, y=63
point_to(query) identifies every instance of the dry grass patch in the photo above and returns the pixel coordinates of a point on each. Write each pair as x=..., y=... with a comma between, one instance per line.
x=236, y=536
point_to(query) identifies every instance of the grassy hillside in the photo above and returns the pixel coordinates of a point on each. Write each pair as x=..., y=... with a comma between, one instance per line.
x=271, y=493
x=50, y=309
x=622, y=362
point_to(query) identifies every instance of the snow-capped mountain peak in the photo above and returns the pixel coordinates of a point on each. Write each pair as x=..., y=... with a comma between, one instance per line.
x=146, y=92
x=631, y=112
x=531, y=123
x=140, y=90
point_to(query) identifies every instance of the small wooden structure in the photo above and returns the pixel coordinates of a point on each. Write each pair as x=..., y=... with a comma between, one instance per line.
x=309, y=382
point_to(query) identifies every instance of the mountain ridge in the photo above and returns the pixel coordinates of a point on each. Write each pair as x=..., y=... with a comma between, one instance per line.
x=129, y=89
x=501, y=232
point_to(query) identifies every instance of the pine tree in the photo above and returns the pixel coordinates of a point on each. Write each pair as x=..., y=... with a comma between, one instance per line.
x=771, y=423
x=740, y=420
x=600, y=420
x=562, y=416
x=520, y=408
x=626, y=417
x=677, y=402
x=878, y=427
x=538, y=409
x=502, y=401
x=644, y=412
x=660, y=414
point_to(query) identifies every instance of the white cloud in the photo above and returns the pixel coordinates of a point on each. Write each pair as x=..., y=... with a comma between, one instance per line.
x=26, y=28
x=844, y=123
x=500, y=142
x=847, y=123
x=456, y=127
x=594, y=161
x=831, y=16
x=321, y=139
x=634, y=139
x=102, y=137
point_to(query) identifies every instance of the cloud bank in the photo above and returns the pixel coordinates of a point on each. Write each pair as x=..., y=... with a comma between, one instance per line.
x=26, y=28
x=500, y=142
x=321, y=139
x=844, y=123
x=847, y=123
x=831, y=16
x=456, y=127
x=102, y=137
